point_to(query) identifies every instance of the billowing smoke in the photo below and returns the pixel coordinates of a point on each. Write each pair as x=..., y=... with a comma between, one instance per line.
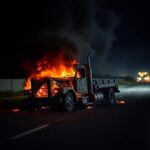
x=79, y=26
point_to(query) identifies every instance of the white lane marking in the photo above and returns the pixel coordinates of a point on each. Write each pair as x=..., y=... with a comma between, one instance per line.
x=41, y=127
x=29, y=132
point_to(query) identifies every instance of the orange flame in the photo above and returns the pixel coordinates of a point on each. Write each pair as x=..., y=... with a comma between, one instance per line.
x=59, y=68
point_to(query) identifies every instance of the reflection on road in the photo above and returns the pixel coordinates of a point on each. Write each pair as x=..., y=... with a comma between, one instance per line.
x=139, y=89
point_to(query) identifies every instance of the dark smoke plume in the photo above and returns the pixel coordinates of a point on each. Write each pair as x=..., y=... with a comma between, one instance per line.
x=79, y=26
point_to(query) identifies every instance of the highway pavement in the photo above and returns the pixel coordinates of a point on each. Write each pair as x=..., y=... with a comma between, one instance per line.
x=123, y=126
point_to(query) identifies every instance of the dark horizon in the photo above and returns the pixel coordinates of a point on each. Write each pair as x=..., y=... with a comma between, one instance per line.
x=121, y=44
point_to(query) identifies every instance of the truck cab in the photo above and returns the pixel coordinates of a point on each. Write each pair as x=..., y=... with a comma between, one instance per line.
x=81, y=79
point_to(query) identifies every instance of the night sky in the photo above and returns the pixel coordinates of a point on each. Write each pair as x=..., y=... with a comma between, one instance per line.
x=118, y=33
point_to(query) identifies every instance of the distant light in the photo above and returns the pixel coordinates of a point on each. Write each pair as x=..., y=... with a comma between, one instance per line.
x=147, y=78
x=139, y=78
x=141, y=74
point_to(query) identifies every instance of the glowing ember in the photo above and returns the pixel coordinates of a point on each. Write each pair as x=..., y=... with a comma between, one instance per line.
x=90, y=107
x=45, y=107
x=16, y=110
x=59, y=68
x=121, y=102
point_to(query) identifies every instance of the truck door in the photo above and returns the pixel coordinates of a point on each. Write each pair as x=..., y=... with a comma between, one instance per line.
x=81, y=81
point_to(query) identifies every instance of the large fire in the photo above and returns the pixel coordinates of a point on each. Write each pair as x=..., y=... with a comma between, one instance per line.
x=58, y=68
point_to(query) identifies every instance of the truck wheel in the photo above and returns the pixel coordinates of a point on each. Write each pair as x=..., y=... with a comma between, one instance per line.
x=111, y=96
x=69, y=102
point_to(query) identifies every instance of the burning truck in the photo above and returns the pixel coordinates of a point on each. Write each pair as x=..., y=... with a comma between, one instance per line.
x=68, y=86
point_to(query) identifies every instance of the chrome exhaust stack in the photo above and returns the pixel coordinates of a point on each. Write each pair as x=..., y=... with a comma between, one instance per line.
x=89, y=73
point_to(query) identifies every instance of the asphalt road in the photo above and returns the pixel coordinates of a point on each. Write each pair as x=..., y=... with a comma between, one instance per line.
x=124, y=126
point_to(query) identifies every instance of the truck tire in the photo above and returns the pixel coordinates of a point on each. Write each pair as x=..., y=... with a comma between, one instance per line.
x=69, y=102
x=109, y=96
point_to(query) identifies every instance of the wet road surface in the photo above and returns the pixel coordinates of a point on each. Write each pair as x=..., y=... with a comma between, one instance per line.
x=124, y=126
